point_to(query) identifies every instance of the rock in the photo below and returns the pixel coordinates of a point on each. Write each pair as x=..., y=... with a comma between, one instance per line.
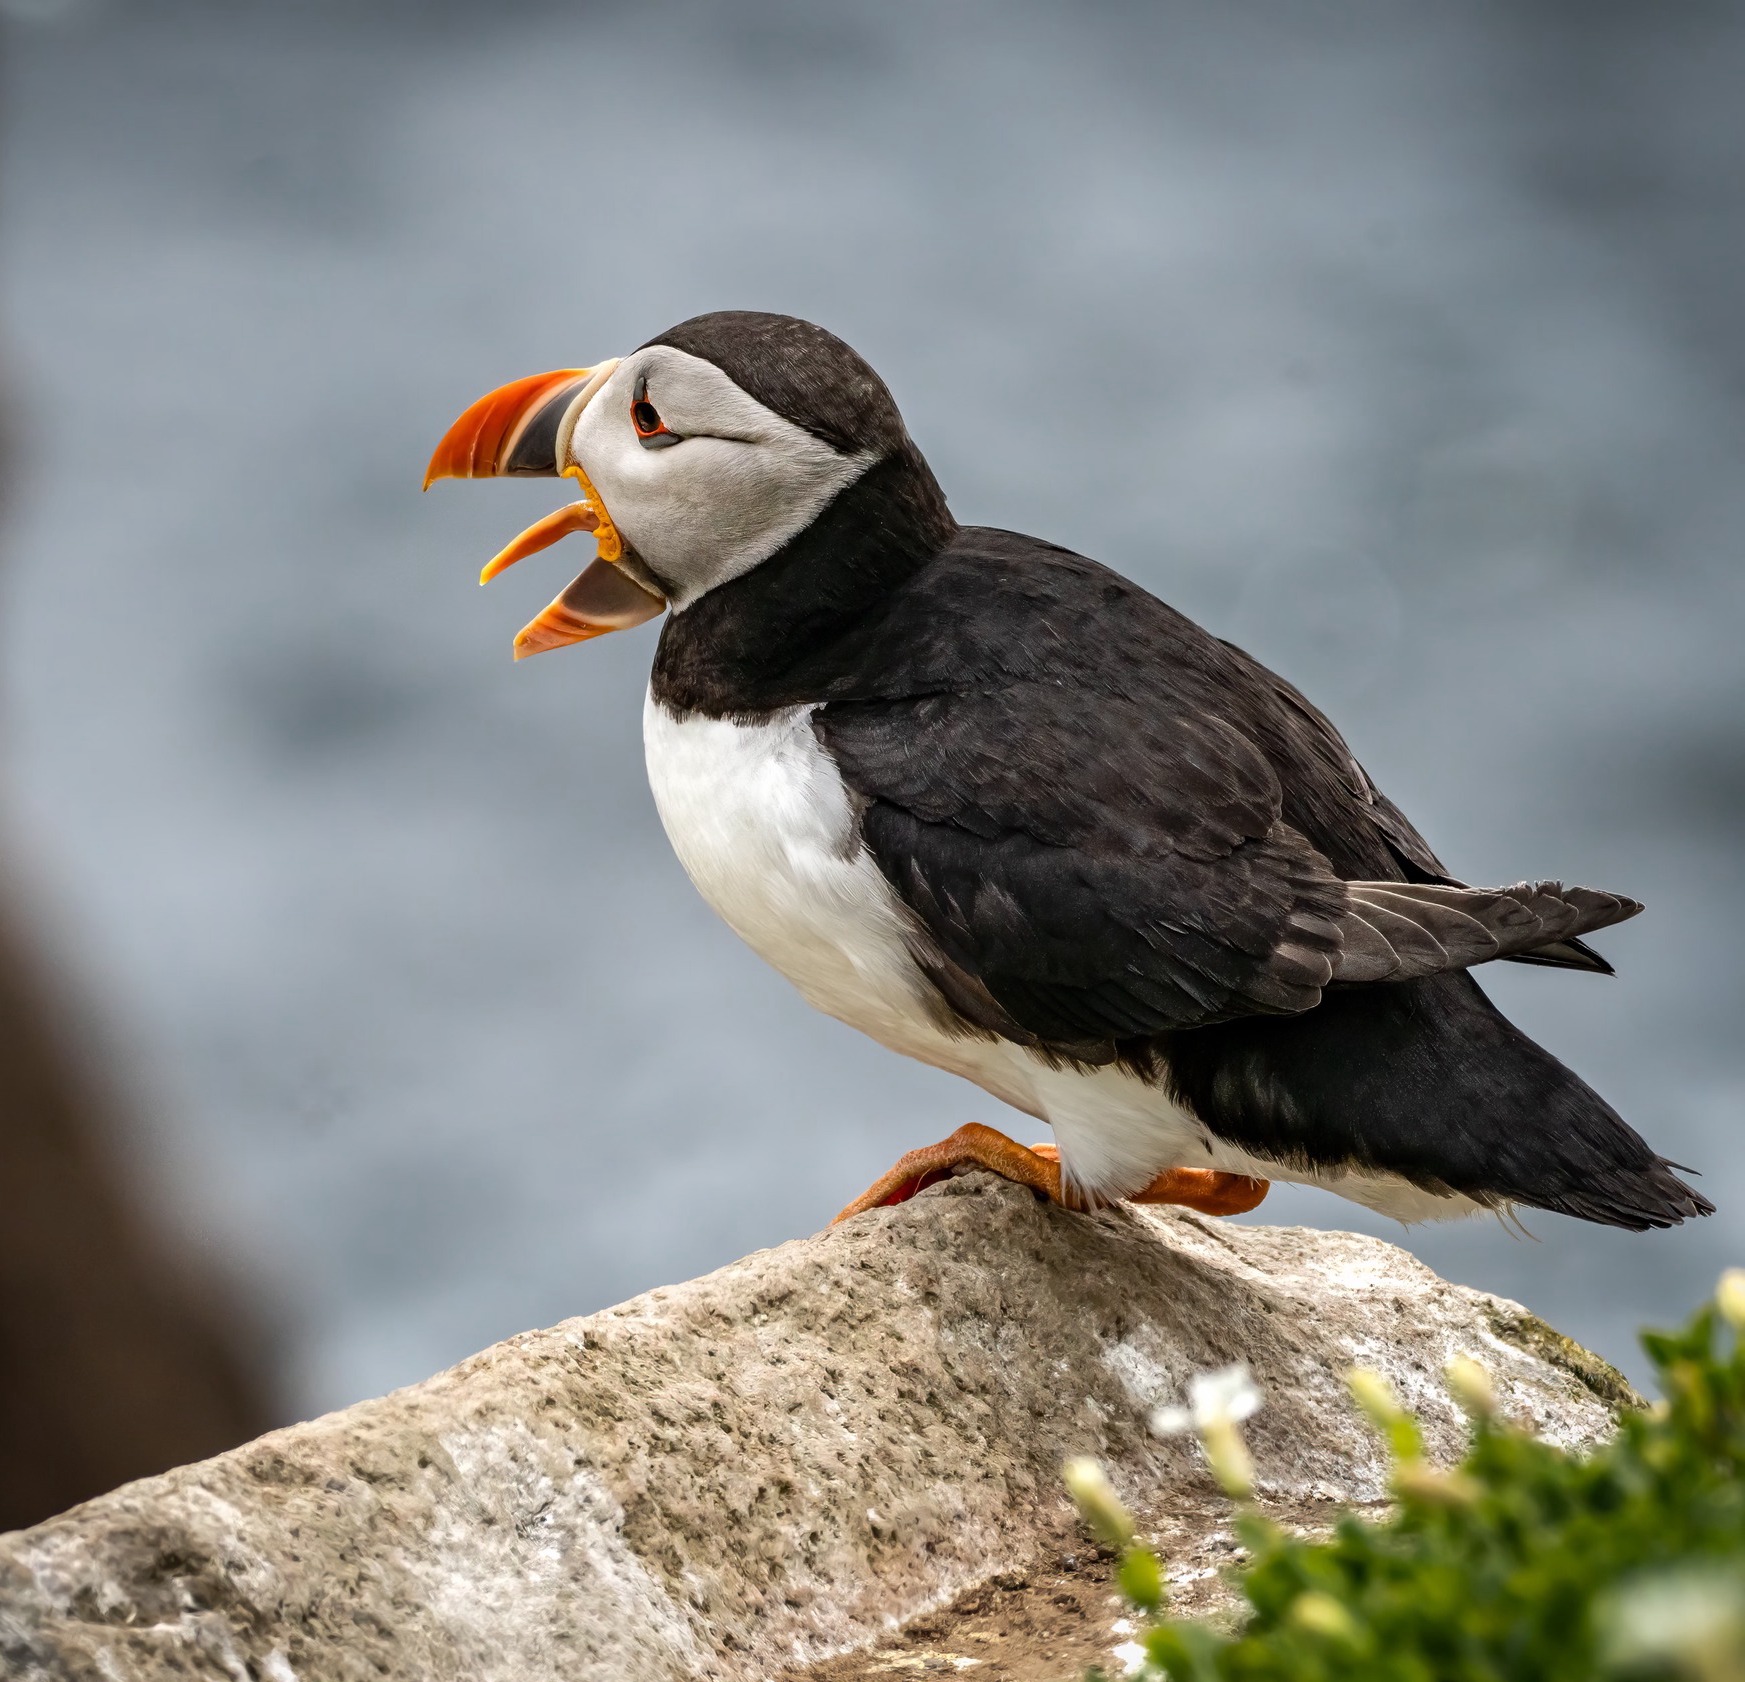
x=780, y=1462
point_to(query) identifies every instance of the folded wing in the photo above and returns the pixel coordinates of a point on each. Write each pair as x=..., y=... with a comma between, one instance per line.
x=1107, y=825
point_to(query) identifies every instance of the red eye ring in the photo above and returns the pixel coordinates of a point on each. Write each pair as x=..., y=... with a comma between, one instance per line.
x=651, y=431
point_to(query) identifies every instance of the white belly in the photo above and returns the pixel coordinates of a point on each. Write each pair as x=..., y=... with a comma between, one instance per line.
x=764, y=827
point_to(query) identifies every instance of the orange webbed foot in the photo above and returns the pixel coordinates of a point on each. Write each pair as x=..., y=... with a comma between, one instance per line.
x=1210, y=1191
x=971, y=1146
x=1207, y=1190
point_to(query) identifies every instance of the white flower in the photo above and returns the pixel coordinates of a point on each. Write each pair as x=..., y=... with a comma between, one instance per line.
x=1218, y=1402
x=1222, y=1398
x=1130, y=1656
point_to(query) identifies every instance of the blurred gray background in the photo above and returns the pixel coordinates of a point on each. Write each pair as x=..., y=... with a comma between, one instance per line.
x=1402, y=345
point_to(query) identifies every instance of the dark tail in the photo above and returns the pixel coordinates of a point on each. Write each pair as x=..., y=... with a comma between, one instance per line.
x=1429, y=1080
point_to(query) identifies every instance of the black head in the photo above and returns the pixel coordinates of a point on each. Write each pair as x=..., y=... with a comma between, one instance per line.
x=799, y=371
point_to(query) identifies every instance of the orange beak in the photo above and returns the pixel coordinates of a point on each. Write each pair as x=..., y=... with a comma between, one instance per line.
x=602, y=599
x=522, y=429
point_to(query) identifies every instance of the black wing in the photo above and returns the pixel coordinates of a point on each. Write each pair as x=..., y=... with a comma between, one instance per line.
x=1109, y=824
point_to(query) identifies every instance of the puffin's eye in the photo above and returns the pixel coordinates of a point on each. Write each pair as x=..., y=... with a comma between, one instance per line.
x=652, y=433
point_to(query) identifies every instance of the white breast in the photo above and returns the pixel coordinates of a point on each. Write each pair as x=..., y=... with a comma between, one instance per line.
x=765, y=828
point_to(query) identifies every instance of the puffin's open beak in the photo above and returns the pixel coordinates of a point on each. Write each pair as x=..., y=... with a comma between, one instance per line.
x=524, y=429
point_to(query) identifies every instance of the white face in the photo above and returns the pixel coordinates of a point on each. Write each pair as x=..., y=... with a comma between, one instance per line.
x=736, y=486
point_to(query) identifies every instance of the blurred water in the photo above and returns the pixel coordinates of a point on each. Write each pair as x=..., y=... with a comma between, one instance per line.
x=1402, y=344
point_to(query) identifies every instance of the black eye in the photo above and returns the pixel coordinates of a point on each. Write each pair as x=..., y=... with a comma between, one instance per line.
x=651, y=431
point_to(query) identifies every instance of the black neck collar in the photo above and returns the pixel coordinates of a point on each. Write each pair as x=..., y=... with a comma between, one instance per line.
x=762, y=641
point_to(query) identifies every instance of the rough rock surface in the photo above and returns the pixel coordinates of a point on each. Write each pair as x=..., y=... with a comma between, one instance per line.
x=778, y=1463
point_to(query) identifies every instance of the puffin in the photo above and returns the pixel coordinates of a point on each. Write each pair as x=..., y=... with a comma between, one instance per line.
x=1007, y=812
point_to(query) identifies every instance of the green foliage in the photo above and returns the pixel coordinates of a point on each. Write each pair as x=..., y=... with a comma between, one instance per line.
x=1526, y=1563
